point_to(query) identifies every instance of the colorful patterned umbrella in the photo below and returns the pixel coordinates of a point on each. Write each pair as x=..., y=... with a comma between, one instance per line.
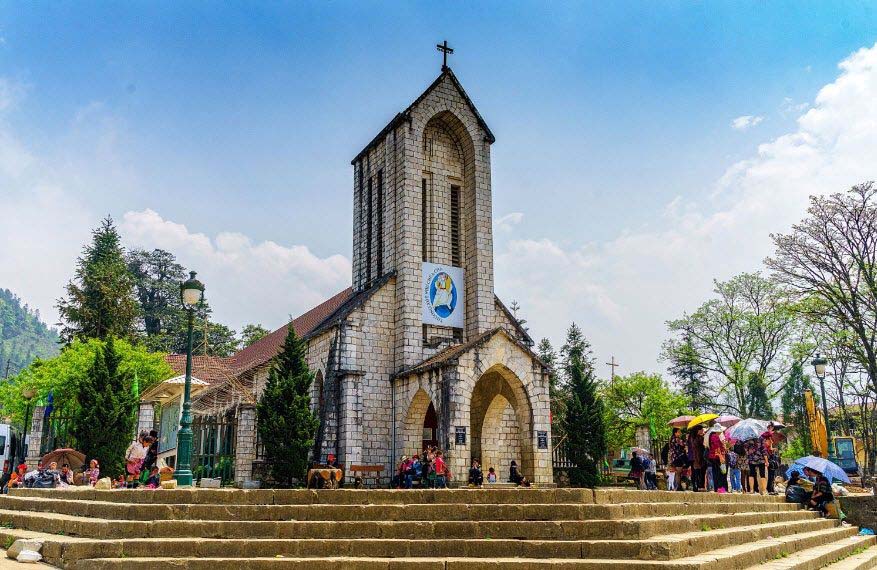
x=747, y=429
x=727, y=420
x=681, y=421
x=821, y=465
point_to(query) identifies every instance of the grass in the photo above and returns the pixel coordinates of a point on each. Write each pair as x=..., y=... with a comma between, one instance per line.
x=8, y=542
x=782, y=554
x=705, y=527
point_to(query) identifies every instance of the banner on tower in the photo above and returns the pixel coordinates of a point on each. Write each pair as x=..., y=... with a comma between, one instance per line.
x=443, y=295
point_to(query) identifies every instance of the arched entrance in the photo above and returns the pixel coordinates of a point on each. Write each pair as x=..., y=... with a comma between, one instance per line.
x=421, y=424
x=501, y=423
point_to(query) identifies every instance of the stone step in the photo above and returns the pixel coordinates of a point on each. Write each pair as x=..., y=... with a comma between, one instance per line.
x=753, y=553
x=100, y=528
x=863, y=560
x=66, y=504
x=387, y=496
x=665, y=547
x=829, y=556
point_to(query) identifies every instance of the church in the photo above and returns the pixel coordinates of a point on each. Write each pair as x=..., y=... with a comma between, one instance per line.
x=419, y=350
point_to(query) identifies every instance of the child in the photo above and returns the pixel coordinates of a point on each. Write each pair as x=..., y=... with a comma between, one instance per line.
x=154, y=481
x=734, y=467
x=491, y=475
x=92, y=474
x=440, y=468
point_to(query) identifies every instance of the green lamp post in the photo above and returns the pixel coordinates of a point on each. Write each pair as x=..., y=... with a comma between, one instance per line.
x=28, y=394
x=819, y=366
x=191, y=294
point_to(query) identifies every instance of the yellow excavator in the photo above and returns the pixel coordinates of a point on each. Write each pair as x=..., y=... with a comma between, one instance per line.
x=848, y=454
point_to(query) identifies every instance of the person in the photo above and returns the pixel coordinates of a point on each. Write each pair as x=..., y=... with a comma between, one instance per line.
x=716, y=455
x=151, y=456
x=734, y=460
x=696, y=458
x=678, y=457
x=795, y=491
x=476, y=477
x=525, y=482
x=134, y=457
x=399, y=477
x=743, y=465
x=441, y=471
x=154, y=480
x=773, y=459
x=636, y=469
x=650, y=473
x=514, y=476
x=491, y=475
x=331, y=461
x=757, y=460
x=415, y=472
x=92, y=474
x=65, y=476
x=822, y=495
x=16, y=479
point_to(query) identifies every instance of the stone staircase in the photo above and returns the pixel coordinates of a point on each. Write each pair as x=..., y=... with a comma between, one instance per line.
x=525, y=529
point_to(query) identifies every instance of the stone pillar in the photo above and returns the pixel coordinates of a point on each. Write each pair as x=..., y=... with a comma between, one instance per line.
x=35, y=437
x=245, y=444
x=351, y=421
x=145, y=417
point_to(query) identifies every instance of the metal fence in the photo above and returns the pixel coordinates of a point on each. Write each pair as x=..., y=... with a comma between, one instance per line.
x=213, y=447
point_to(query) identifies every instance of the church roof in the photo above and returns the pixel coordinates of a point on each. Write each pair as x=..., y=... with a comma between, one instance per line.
x=405, y=115
x=210, y=369
x=455, y=351
x=267, y=347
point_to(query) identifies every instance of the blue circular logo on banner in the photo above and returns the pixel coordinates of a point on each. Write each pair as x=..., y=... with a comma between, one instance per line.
x=443, y=295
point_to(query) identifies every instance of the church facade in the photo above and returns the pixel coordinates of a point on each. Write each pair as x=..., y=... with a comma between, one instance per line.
x=419, y=350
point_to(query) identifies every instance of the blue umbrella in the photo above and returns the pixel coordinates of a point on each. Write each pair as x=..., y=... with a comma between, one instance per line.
x=745, y=430
x=820, y=465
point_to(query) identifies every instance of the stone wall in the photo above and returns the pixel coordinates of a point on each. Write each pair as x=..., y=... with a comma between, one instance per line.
x=245, y=444
x=35, y=437
x=861, y=510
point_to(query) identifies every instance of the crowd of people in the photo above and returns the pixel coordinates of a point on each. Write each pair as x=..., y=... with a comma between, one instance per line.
x=430, y=470
x=705, y=460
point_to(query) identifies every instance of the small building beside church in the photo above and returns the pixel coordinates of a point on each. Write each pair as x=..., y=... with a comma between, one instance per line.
x=419, y=350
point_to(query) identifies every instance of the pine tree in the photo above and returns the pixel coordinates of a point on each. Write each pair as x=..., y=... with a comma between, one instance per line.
x=584, y=424
x=576, y=348
x=100, y=300
x=691, y=377
x=792, y=405
x=757, y=402
x=286, y=424
x=104, y=422
x=556, y=393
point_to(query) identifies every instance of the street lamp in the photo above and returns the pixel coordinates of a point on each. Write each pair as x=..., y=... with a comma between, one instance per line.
x=191, y=294
x=819, y=365
x=27, y=394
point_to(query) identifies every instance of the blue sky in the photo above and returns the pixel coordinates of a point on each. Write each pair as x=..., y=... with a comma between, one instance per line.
x=240, y=119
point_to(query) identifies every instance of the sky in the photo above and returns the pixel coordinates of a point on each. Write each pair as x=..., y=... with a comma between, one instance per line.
x=643, y=149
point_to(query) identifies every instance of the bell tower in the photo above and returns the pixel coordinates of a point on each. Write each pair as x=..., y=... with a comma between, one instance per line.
x=422, y=215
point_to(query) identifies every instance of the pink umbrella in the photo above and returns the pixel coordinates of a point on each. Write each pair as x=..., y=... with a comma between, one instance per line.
x=727, y=420
x=681, y=421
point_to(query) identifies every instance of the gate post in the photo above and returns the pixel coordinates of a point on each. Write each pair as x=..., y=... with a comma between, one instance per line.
x=245, y=444
x=35, y=437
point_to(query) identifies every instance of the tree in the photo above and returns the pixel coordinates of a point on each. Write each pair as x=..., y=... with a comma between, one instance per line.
x=100, y=299
x=555, y=391
x=639, y=400
x=157, y=277
x=575, y=350
x=104, y=423
x=286, y=424
x=831, y=257
x=583, y=423
x=792, y=407
x=747, y=328
x=252, y=333
x=691, y=375
x=757, y=401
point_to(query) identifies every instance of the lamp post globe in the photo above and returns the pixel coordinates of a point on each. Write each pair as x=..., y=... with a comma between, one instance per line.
x=191, y=295
x=819, y=367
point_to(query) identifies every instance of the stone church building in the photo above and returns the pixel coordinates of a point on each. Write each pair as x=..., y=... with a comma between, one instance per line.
x=419, y=351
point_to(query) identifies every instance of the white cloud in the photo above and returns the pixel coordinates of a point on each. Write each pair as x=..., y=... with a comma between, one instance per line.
x=789, y=107
x=745, y=122
x=507, y=222
x=623, y=290
x=246, y=281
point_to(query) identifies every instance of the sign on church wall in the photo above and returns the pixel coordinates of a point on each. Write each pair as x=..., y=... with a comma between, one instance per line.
x=442, y=290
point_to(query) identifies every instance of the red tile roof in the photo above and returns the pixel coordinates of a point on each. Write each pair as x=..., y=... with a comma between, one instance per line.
x=211, y=369
x=267, y=347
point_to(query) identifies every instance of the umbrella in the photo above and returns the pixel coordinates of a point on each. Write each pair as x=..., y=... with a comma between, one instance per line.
x=727, y=420
x=640, y=450
x=681, y=421
x=66, y=455
x=747, y=429
x=821, y=465
x=701, y=419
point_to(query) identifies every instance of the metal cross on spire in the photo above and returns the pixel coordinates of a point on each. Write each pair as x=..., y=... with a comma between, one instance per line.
x=612, y=365
x=443, y=47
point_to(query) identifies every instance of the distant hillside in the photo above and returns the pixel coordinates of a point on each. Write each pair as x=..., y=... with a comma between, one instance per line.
x=23, y=336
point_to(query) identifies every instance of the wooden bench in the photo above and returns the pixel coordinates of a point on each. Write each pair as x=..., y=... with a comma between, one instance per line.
x=362, y=472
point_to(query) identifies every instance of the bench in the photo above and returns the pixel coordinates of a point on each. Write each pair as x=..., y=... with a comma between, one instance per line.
x=362, y=472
